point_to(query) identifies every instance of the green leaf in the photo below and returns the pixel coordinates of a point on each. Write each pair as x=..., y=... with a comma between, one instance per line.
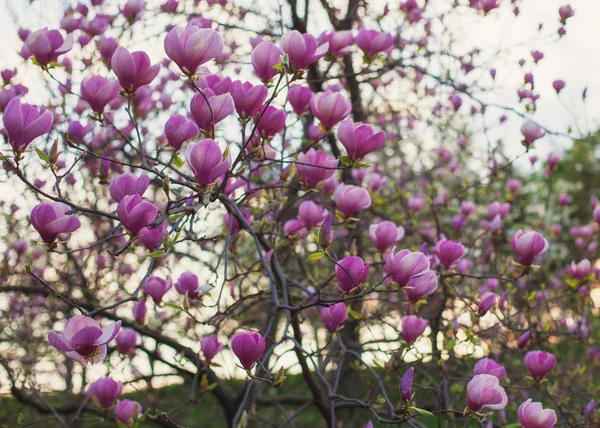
x=225, y=153
x=43, y=156
x=4, y=157
x=156, y=254
x=345, y=160
x=175, y=306
x=355, y=315
x=422, y=412
x=512, y=426
x=178, y=162
x=315, y=256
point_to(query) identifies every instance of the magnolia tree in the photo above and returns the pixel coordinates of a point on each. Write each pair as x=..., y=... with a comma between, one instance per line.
x=287, y=190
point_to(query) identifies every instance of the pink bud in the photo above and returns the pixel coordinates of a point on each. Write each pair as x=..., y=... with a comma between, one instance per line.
x=270, y=122
x=300, y=98
x=248, y=346
x=311, y=214
x=128, y=184
x=372, y=42
x=264, y=58
x=179, y=129
x=406, y=384
x=339, y=41
x=106, y=391
x=421, y=286
x=488, y=301
x=140, y=310
x=531, y=132
x=128, y=411
x=333, y=316
x=449, y=252
x=405, y=265
x=210, y=347
x=528, y=245
x=206, y=115
x=126, y=341
x=413, y=327
x=539, y=363
x=156, y=287
x=351, y=272
x=330, y=108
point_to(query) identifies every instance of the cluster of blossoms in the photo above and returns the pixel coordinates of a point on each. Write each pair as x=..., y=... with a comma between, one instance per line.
x=179, y=205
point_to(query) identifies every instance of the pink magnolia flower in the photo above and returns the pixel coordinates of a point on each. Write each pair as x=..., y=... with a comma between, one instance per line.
x=490, y=367
x=531, y=132
x=533, y=415
x=128, y=184
x=300, y=98
x=315, y=166
x=133, y=69
x=191, y=47
x=132, y=10
x=539, y=363
x=351, y=272
x=558, y=85
x=339, y=41
x=580, y=270
x=188, y=284
x=528, y=245
x=350, y=199
x=126, y=341
x=416, y=203
x=311, y=214
x=413, y=327
x=270, y=122
x=128, y=411
x=405, y=265
x=179, y=129
x=264, y=58
x=421, y=286
x=136, y=213
x=156, y=287
x=498, y=209
x=106, y=391
x=484, y=391
x=524, y=339
x=210, y=347
x=302, y=49
x=565, y=12
x=83, y=339
x=206, y=161
x=359, y=139
x=330, y=108
x=247, y=346
x=334, y=316
x=372, y=42
x=206, y=115
x=47, y=45
x=449, y=252
x=98, y=91
x=385, y=234
x=50, y=220
x=152, y=237
x=25, y=122
x=248, y=99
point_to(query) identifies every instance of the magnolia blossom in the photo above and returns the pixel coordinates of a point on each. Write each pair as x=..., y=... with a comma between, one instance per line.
x=52, y=219
x=84, y=340
x=248, y=346
x=532, y=415
x=484, y=392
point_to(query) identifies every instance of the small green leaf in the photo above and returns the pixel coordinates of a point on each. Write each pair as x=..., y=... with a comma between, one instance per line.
x=314, y=257
x=175, y=306
x=156, y=254
x=512, y=426
x=355, y=315
x=225, y=153
x=345, y=160
x=422, y=412
x=43, y=156
x=178, y=162
x=4, y=157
